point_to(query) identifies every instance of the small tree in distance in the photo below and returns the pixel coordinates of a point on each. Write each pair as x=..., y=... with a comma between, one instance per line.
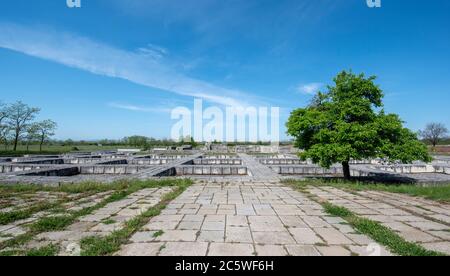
x=4, y=128
x=45, y=130
x=19, y=117
x=32, y=134
x=433, y=133
x=348, y=122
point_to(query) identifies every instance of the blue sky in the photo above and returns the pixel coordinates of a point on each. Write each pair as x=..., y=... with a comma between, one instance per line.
x=114, y=68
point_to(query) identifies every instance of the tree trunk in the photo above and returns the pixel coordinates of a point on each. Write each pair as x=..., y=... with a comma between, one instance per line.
x=434, y=146
x=40, y=145
x=346, y=169
x=16, y=140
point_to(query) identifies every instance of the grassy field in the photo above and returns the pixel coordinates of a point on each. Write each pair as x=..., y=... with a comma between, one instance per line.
x=54, y=149
x=438, y=193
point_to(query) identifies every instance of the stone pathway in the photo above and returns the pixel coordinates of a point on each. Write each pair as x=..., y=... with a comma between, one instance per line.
x=245, y=219
x=102, y=222
x=259, y=172
x=415, y=219
x=20, y=227
x=21, y=201
x=163, y=169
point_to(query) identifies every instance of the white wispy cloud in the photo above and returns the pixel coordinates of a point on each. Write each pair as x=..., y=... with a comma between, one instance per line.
x=131, y=107
x=310, y=88
x=146, y=67
x=153, y=51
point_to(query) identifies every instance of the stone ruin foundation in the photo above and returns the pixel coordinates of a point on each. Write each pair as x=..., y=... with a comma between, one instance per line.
x=109, y=166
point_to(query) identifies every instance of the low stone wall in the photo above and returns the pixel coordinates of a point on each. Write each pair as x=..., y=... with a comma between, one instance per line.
x=366, y=161
x=441, y=162
x=80, y=160
x=287, y=161
x=273, y=156
x=11, y=168
x=37, y=156
x=142, y=161
x=111, y=169
x=211, y=161
x=67, y=171
x=211, y=170
x=306, y=170
x=412, y=169
x=442, y=169
x=5, y=160
x=219, y=156
x=113, y=162
x=57, y=161
x=156, y=156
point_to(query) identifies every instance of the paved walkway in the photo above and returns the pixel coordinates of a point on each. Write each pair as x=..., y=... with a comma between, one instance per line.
x=415, y=219
x=101, y=222
x=20, y=203
x=162, y=169
x=245, y=219
x=259, y=172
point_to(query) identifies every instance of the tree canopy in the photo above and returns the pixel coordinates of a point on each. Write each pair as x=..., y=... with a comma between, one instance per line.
x=348, y=122
x=45, y=130
x=20, y=115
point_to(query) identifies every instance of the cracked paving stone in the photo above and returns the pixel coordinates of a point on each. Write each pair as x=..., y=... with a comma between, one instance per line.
x=238, y=234
x=302, y=250
x=273, y=238
x=140, y=249
x=231, y=249
x=305, y=236
x=270, y=250
x=211, y=236
x=333, y=251
x=184, y=249
x=332, y=236
x=139, y=237
x=178, y=236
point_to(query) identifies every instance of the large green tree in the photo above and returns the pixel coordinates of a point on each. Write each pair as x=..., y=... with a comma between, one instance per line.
x=348, y=123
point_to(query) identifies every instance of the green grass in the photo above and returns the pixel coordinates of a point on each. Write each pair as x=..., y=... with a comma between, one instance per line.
x=52, y=223
x=379, y=233
x=104, y=246
x=9, y=217
x=9, y=253
x=66, y=188
x=438, y=193
x=108, y=221
x=46, y=251
x=85, y=187
x=158, y=233
x=123, y=189
x=337, y=211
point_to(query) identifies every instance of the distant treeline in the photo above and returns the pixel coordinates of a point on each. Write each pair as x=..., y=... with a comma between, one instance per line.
x=442, y=142
x=146, y=142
